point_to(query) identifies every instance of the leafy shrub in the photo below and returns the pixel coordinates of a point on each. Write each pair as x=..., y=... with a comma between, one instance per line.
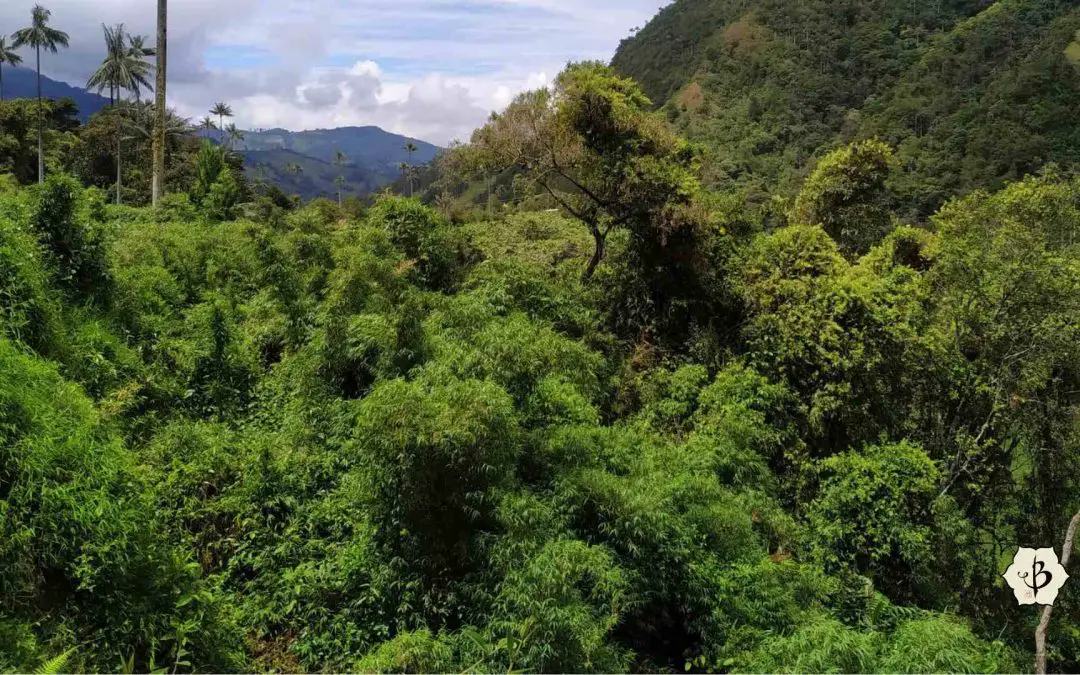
x=874, y=514
x=75, y=249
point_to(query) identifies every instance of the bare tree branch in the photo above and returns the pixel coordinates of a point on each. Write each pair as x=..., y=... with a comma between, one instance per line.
x=1044, y=622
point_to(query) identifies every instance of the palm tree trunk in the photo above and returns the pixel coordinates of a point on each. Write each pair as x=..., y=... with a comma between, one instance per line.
x=158, y=145
x=40, y=122
x=118, y=174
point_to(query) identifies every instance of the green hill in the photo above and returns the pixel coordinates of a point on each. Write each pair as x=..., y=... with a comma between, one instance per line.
x=381, y=152
x=316, y=178
x=972, y=93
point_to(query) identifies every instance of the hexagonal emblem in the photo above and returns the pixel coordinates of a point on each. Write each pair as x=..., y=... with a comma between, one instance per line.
x=1035, y=576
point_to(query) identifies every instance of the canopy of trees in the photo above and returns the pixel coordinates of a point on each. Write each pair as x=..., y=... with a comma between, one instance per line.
x=651, y=426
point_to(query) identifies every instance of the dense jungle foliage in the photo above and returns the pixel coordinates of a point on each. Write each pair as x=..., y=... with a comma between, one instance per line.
x=664, y=428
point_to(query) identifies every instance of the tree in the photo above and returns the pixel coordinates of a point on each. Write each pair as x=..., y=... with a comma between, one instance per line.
x=141, y=119
x=339, y=161
x=158, y=146
x=222, y=110
x=590, y=143
x=340, y=180
x=846, y=195
x=207, y=124
x=137, y=47
x=39, y=35
x=123, y=69
x=8, y=56
x=233, y=134
x=410, y=148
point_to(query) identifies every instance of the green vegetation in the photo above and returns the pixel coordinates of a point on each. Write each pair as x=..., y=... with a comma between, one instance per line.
x=970, y=93
x=662, y=428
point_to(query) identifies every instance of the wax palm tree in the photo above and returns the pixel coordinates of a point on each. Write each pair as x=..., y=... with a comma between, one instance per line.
x=410, y=148
x=140, y=123
x=222, y=110
x=141, y=117
x=8, y=56
x=340, y=180
x=123, y=69
x=339, y=161
x=40, y=35
x=207, y=124
x=405, y=173
x=294, y=169
x=137, y=47
x=233, y=134
x=138, y=50
x=160, y=117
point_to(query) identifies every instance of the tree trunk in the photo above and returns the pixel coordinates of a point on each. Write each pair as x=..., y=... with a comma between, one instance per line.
x=598, y=252
x=1044, y=622
x=158, y=145
x=118, y=165
x=40, y=123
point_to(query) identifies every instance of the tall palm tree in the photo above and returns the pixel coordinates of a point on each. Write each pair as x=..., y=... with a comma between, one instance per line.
x=404, y=166
x=233, y=134
x=141, y=118
x=137, y=47
x=8, y=56
x=160, y=120
x=40, y=35
x=207, y=123
x=339, y=161
x=340, y=180
x=122, y=70
x=410, y=148
x=222, y=110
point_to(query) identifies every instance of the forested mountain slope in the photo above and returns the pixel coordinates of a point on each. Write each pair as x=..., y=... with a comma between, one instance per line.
x=972, y=92
x=22, y=83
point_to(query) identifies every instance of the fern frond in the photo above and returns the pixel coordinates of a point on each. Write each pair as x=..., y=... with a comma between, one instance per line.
x=55, y=665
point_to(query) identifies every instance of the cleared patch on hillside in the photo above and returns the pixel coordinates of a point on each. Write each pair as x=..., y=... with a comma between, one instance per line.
x=745, y=35
x=692, y=97
x=1072, y=52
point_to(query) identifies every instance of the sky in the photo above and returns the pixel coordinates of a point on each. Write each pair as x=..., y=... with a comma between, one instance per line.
x=430, y=69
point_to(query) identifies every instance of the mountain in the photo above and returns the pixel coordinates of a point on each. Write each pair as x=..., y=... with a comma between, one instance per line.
x=371, y=148
x=316, y=177
x=971, y=93
x=21, y=83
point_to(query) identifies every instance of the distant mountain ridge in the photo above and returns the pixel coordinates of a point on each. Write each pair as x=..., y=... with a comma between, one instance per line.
x=22, y=83
x=315, y=178
x=378, y=151
x=373, y=157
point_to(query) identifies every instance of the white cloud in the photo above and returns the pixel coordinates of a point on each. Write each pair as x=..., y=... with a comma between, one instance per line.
x=433, y=69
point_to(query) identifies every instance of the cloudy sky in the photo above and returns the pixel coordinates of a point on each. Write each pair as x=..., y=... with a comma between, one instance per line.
x=432, y=69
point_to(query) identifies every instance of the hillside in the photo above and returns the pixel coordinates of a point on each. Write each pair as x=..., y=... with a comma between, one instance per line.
x=22, y=83
x=316, y=178
x=376, y=150
x=770, y=86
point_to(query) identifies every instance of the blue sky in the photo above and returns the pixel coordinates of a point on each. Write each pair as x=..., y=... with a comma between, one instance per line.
x=433, y=69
